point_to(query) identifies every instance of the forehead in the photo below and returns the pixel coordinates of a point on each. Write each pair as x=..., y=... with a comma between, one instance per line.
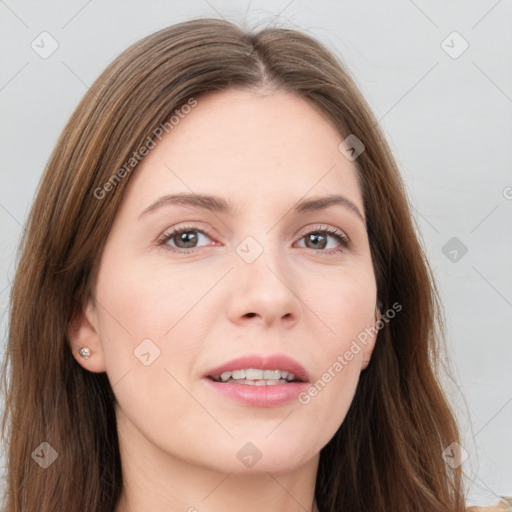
x=269, y=146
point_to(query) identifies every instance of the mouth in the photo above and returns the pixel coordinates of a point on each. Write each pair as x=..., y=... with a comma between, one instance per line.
x=259, y=370
x=259, y=380
x=256, y=377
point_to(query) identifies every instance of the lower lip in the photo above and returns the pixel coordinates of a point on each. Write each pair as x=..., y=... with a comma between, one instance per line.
x=259, y=396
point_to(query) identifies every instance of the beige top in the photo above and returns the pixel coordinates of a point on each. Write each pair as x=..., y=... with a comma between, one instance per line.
x=505, y=505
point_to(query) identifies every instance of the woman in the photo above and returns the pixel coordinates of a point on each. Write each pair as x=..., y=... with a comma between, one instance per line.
x=221, y=301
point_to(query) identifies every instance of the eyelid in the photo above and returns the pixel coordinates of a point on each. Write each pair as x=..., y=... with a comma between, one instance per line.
x=324, y=227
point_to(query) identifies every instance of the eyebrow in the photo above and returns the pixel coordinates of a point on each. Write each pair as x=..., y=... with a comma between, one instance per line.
x=221, y=205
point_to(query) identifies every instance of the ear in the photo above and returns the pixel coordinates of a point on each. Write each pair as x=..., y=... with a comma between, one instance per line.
x=82, y=332
x=372, y=338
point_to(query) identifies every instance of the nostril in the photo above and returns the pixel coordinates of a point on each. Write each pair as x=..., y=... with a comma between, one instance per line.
x=250, y=315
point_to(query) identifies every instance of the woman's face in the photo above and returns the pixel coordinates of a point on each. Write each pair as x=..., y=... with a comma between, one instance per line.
x=251, y=274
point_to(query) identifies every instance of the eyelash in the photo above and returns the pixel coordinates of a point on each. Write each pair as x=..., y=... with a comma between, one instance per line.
x=339, y=235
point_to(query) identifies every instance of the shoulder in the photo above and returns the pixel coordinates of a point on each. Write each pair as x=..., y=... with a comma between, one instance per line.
x=505, y=505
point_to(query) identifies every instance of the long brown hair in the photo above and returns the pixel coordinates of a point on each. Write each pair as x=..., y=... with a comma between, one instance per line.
x=387, y=454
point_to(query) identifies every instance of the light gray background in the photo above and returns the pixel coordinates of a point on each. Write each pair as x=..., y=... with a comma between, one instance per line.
x=448, y=120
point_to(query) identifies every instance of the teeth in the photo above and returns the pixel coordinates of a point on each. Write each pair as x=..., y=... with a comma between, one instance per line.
x=272, y=374
x=259, y=382
x=274, y=382
x=255, y=377
x=252, y=374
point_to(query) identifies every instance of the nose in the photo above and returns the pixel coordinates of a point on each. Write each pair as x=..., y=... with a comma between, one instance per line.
x=263, y=292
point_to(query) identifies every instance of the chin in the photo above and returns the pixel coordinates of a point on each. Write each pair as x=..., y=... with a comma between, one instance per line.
x=253, y=456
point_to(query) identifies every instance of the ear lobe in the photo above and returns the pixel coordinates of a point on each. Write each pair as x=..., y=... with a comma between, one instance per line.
x=372, y=339
x=377, y=314
x=82, y=333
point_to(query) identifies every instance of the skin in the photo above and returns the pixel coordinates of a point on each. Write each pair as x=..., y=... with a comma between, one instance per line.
x=263, y=151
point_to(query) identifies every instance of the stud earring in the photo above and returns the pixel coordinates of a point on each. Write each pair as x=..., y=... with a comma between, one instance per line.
x=84, y=352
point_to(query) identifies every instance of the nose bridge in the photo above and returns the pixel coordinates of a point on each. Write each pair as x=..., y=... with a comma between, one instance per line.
x=263, y=253
x=262, y=280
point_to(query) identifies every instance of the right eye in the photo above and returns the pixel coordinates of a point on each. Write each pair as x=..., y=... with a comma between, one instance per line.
x=183, y=239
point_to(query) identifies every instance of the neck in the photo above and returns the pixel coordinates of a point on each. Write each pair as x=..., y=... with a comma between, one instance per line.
x=156, y=481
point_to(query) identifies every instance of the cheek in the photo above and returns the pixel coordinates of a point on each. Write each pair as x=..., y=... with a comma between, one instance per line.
x=339, y=363
x=347, y=307
x=142, y=299
x=345, y=301
x=142, y=310
x=150, y=338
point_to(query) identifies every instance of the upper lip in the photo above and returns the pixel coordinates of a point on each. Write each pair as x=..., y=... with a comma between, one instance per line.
x=263, y=362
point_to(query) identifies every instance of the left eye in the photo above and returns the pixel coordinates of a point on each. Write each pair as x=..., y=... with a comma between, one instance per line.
x=319, y=240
